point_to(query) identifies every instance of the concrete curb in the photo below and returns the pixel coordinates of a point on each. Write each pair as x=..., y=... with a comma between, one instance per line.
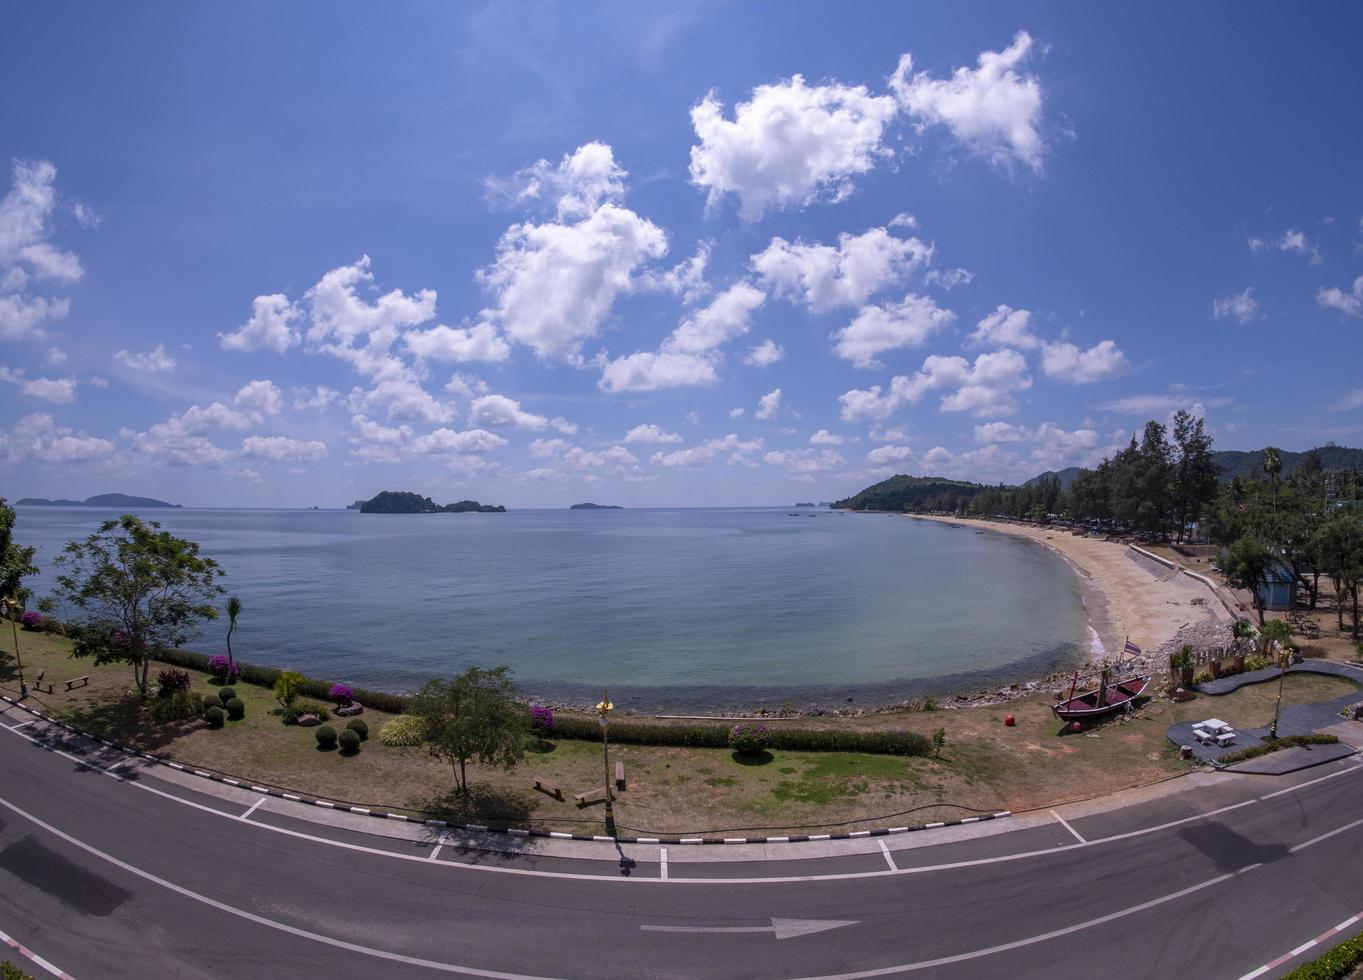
x=480, y=828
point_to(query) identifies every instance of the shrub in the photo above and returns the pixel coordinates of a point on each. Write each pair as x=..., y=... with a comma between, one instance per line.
x=748, y=739
x=227, y=693
x=8, y=971
x=1257, y=663
x=223, y=670
x=1337, y=964
x=342, y=694
x=350, y=741
x=402, y=730
x=266, y=676
x=312, y=708
x=236, y=709
x=172, y=681
x=1203, y=677
x=359, y=728
x=939, y=739
x=177, y=707
x=212, y=701
x=32, y=620
x=54, y=625
x=286, y=686
x=1286, y=742
x=717, y=737
x=326, y=737
x=215, y=716
x=541, y=719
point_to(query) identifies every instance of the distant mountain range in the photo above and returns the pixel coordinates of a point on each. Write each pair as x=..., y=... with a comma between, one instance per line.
x=1234, y=463
x=98, y=500
x=916, y=492
x=1066, y=476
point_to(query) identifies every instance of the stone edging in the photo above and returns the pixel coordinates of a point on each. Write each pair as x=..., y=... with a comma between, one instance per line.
x=479, y=828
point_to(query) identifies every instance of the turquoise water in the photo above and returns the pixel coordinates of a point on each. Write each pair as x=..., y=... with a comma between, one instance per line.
x=672, y=609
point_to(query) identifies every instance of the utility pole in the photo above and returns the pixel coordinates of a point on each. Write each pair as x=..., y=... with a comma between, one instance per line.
x=604, y=709
x=7, y=606
x=1277, y=709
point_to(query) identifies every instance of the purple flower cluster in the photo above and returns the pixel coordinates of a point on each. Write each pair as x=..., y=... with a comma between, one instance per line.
x=342, y=694
x=541, y=718
x=31, y=620
x=746, y=739
x=223, y=669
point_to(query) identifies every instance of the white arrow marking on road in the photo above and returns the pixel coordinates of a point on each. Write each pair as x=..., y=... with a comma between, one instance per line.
x=783, y=928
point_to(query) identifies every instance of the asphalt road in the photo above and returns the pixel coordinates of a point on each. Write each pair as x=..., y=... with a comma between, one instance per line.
x=137, y=877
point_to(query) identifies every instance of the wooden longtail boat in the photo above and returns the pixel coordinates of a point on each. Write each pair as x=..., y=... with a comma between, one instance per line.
x=1117, y=697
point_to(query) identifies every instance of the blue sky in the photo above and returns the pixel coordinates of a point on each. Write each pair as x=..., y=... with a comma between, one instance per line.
x=734, y=254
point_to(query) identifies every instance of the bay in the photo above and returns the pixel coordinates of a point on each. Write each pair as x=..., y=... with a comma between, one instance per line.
x=673, y=609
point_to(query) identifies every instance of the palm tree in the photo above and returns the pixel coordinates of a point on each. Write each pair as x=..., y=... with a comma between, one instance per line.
x=233, y=610
x=1273, y=464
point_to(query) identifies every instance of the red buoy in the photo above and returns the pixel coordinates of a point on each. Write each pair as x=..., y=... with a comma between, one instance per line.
x=1076, y=726
x=1009, y=720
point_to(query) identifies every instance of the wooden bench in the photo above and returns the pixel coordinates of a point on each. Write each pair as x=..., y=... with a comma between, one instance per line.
x=620, y=776
x=548, y=788
x=590, y=796
x=43, y=688
x=77, y=682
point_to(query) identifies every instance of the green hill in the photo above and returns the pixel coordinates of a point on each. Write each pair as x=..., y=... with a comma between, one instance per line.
x=405, y=502
x=1065, y=476
x=900, y=493
x=1233, y=463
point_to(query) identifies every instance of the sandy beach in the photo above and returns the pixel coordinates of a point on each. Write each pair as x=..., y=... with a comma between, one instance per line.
x=1126, y=600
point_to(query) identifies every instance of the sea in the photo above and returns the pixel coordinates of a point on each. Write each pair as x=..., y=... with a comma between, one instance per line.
x=673, y=610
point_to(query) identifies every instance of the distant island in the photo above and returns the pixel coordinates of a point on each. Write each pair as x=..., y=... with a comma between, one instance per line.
x=596, y=507
x=804, y=505
x=405, y=502
x=355, y=506
x=98, y=500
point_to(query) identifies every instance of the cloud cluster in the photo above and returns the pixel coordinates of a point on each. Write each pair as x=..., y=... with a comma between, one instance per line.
x=988, y=386
x=29, y=262
x=1242, y=306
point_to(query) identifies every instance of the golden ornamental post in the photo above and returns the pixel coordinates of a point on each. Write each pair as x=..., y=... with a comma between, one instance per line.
x=603, y=709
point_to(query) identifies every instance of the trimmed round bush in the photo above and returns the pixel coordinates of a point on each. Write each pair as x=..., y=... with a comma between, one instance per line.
x=402, y=730
x=359, y=728
x=215, y=717
x=212, y=701
x=227, y=694
x=236, y=709
x=748, y=739
x=342, y=694
x=326, y=737
x=32, y=620
x=350, y=740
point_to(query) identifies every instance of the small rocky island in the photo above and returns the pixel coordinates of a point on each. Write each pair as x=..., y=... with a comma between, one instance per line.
x=596, y=507
x=98, y=500
x=405, y=502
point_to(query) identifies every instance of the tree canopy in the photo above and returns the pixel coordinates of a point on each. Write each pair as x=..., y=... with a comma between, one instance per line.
x=473, y=717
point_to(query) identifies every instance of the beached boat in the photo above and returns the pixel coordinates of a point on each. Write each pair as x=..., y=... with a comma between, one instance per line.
x=1120, y=696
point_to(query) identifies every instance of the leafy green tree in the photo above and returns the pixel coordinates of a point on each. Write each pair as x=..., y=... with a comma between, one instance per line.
x=1339, y=548
x=142, y=589
x=1246, y=566
x=233, y=611
x=473, y=717
x=15, y=563
x=1194, y=472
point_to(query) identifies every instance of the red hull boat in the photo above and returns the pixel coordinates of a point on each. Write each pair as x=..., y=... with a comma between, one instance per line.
x=1119, y=696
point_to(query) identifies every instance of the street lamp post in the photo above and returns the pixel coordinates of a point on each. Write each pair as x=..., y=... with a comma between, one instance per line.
x=604, y=709
x=6, y=605
x=1282, y=673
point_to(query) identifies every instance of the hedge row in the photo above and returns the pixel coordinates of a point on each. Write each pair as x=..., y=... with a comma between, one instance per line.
x=630, y=733
x=717, y=737
x=265, y=677
x=1337, y=964
x=1286, y=742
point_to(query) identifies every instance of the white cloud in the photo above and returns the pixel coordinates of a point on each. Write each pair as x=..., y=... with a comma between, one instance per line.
x=580, y=183
x=651, y=434
x=1005, y=327
x=825, y=438
x=986, y=387
x=37, y=438
x=825, y=277
x=56, y=356
x=769, y=405
x=480, y=342
x=764, y=354
x=27, y=254
x=650, y=371
x=155, y=359
x=1242, y=306
x=1293, y=240
x=59, y=391
x=261, y=397
x=271, y=327
x=805, y=460
x=555, y=284
x=314, y=399
x=1349, y=402
x=992, y=109
x=378, y=443
x=466, y=385
x=458, y=450
x=447, y=442
x=499, y=411
x=737, y=413
x=1154, y=405
x=345, y=325
x=883, y=455
x=888, y=327
x=1350, y=303
x=686, y=278
x=993, y=432
x=788, y=145
x=737, y=451
x=879, y=433
x=689, y=355
x=1068, y=363
x=401, y=399
x=282, y=449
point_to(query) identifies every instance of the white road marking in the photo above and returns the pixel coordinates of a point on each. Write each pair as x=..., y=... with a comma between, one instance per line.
x=34, y=958
x=1065, y=823
x=1326, y=836
x=889, y=858
x=261, y=920
x=247, y=814
x=781, y=928
x=662, y=863
x=440, y=842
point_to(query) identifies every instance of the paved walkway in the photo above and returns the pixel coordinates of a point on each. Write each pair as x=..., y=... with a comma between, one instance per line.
x=1296, y=719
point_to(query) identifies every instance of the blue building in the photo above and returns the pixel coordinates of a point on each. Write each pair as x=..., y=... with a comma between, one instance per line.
x=1280, y=591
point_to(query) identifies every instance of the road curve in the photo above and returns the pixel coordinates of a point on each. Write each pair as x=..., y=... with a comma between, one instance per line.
x=136, y=876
